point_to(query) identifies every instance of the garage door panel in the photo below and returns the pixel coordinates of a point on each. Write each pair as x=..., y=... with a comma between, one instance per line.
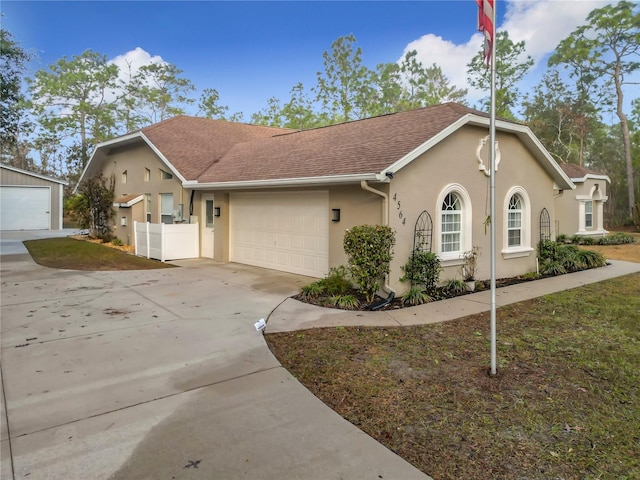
x=288, y=231
x=25, y=208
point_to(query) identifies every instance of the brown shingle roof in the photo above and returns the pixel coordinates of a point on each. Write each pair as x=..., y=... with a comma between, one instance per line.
x=192, y=144
x=575, y=171
x=357, y=147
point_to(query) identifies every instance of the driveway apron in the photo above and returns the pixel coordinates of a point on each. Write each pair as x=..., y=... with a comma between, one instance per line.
x=161, y=374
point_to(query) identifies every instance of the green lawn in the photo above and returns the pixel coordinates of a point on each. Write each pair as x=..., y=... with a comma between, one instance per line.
x=565, y=403
x=80, y=255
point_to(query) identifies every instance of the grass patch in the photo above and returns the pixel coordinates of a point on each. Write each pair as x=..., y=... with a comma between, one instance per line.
x=80, y=255
x=565, y=403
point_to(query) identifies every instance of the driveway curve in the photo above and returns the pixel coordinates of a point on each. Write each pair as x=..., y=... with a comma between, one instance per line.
x=161, y=374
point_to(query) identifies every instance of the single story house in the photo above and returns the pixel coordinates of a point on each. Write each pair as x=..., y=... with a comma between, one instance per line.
x=29, y=201
x=581, y=211
x=282, y=199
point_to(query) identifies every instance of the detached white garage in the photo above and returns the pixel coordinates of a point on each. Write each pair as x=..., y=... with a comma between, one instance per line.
x=29, y=201
x=282, y=231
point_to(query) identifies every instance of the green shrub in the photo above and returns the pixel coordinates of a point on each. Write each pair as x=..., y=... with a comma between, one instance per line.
x=338, y=282
x=313, y=290
x=531, y=276
x=549, y=266
x=347, y=302
x=116, y=241
x=618, y=238
x=591, y=259
x=454, y=287
x=369, y=250
x=416, y=296
x=562, y=238
x=423, y=271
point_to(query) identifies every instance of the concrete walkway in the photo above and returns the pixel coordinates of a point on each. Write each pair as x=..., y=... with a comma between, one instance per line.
x=294, y=315
x=160, y=374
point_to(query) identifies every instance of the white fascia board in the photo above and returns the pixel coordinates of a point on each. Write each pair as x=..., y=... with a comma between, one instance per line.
x=522, y=131
x=126, y=139
x=130, y=203
x=591, y=176
x=106, y=143
x=33, y=174
x=163, y=158
x=288, y=182
x=415, y=153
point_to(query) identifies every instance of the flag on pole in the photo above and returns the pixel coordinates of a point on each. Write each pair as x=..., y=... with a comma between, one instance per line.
x=485, y=25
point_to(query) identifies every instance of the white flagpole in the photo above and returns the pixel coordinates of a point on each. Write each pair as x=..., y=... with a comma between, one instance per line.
x=492, y=188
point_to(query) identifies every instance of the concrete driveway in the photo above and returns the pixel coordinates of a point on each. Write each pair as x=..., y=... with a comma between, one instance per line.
x=161, y=374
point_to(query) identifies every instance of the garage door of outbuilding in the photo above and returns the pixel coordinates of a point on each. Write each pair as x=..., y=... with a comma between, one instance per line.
x=25, y=208
x=281, y=231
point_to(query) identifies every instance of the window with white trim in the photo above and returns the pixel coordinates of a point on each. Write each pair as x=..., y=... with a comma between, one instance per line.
x=514, y=221
x=453, y=226
x=451, y=221
x=147, y=175
x=588, y=214
x=516, y=233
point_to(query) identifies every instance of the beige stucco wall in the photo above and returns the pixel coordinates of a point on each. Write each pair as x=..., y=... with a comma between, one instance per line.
x=568, y=207
x=134, y=159
x=357, y=207
x=12, y=178
x=419, y=185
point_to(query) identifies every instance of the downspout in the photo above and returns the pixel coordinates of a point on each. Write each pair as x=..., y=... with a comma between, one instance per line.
x=385, y=221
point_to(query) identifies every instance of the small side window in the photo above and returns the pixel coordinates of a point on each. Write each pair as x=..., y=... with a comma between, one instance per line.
x=165, y=175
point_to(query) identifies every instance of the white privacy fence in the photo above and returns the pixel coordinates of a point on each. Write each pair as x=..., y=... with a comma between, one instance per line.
x=167, y=241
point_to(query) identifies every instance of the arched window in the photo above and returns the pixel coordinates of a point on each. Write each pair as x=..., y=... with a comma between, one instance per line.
x=451, y=215
x=454, y=222
x=517, y=224
x=514, y=222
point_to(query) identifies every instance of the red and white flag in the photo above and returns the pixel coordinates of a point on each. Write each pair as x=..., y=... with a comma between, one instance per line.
x=485, y=25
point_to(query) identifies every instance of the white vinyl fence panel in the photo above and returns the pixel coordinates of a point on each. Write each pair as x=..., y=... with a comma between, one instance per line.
x=167, y=242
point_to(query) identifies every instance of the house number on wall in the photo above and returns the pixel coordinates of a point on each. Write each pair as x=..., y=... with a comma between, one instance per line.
x=400, y=214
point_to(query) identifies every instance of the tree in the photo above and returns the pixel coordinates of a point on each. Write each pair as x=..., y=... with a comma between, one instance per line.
x=209, y=106
x=272, y=115
x=93, y=206
x=13, y=66
x=76, y=98
x=510, y=69
x=560, y=118
x=387, y=82
x=158, y=92
x=609, y=45
x=345, y=87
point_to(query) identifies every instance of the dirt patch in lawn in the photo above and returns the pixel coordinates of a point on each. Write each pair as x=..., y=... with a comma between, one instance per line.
x=629, y=252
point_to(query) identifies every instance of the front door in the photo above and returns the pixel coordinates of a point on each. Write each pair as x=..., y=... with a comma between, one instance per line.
x=207, y=226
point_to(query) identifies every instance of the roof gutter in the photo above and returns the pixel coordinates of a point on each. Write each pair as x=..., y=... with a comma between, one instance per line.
x=385, y=221
x=288, y=182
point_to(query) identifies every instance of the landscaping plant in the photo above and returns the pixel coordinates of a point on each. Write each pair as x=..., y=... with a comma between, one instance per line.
x=369, y=250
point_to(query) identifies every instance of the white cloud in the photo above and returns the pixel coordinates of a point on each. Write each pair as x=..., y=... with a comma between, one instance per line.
x=130, y=62
x=542, y=24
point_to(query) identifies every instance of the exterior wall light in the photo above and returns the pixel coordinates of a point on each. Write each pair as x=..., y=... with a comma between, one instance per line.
x=216, y=211
x=335, y=215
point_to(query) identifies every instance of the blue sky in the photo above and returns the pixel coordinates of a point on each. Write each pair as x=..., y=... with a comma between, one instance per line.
x=251, y=51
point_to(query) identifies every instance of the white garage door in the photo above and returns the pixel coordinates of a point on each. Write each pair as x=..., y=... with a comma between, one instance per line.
x=282, y=231
x=25, y=208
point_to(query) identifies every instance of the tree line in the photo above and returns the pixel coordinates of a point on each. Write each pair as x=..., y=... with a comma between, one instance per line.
x=78, y=102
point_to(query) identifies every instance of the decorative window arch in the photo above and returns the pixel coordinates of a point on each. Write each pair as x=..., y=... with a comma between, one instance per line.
x=454, y=225
x=516, y=236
